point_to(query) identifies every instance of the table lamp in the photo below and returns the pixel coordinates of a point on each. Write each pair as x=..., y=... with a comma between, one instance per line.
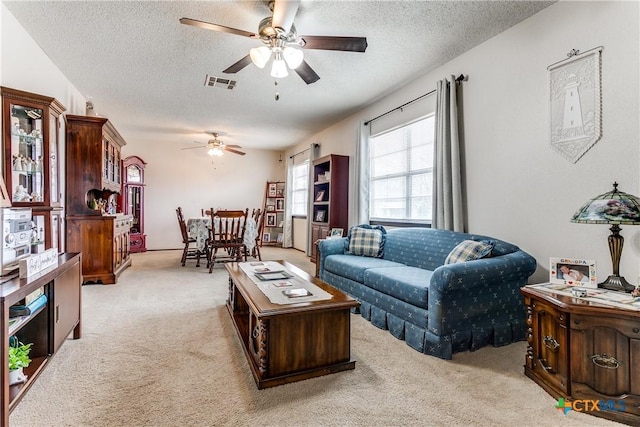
x=615, y=208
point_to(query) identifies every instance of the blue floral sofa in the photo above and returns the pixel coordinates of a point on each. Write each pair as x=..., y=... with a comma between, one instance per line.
x=437, y=308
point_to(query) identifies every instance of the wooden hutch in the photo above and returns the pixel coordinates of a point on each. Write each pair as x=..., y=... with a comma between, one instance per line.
x=93, y=181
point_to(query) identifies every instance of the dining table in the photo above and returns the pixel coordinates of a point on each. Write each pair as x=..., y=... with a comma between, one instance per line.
x=199, y=228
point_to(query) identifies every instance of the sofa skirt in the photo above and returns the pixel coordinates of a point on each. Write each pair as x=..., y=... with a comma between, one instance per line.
x=411, y=324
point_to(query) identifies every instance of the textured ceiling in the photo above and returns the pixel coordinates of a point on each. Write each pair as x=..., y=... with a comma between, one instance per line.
x=146, y=71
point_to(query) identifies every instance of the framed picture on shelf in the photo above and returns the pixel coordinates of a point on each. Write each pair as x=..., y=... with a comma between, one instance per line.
x=280, y=238
x=272, y=189
x=320, y=216
x=336, y=233
x=320, y=196
x=271, y=208
x=280, y=192
x=279, y=205
x=270, y=220
x=567, y=271
x=266, y=237
x=5, y=201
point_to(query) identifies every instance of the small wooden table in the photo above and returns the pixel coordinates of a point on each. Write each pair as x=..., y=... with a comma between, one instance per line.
x=290, y=342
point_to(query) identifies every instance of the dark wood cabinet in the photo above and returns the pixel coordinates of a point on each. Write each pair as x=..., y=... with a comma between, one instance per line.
x=31, y=136
x=132, y=200
x=581, y=350
x=330, y=206
x=47, y=328
x=93, y=181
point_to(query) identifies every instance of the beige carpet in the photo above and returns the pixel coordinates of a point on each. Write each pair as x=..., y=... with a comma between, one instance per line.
x=159, y=349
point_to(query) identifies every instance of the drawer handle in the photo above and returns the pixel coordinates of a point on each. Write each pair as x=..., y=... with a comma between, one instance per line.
x=551, y=343
x=604, y=361
x=256, y=332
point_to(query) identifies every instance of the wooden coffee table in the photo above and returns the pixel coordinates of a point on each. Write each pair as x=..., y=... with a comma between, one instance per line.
x=290, y=342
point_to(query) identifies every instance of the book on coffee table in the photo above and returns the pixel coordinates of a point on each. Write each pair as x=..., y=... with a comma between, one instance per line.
x=297, y=293
x=274, y=275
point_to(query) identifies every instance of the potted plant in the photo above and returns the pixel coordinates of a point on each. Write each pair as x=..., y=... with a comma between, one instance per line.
x=18, y=359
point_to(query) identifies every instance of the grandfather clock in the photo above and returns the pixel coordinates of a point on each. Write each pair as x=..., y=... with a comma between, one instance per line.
x=132, y=198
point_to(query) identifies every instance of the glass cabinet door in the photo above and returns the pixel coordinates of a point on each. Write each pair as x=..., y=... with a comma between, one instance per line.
x=26, y=151
x=54, y=171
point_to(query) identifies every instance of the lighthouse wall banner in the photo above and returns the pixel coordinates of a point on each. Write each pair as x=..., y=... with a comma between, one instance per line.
x=575, y=103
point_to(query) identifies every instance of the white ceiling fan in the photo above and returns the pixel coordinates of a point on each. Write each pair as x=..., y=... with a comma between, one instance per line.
x=216, y=148
x=281, y=41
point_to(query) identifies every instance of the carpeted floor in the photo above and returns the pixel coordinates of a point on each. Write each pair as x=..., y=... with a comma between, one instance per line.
x=159, y=349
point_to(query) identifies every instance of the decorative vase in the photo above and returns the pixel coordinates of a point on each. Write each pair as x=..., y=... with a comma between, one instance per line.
x=17, y=376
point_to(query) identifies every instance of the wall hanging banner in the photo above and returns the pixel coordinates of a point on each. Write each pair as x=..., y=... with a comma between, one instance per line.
x=575, y=103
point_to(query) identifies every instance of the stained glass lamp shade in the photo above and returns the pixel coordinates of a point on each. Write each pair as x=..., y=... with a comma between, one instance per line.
x=615, y=208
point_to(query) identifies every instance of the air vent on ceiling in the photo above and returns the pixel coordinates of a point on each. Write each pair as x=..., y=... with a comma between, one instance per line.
x=214, y=81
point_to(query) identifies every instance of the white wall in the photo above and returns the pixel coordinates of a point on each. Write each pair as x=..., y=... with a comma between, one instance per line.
x=518, y=188
x=174, y=177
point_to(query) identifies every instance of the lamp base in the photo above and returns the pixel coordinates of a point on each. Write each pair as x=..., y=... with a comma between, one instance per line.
x=616, y=283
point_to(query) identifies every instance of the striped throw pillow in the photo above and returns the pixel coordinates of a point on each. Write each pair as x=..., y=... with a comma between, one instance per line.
x=366, y=241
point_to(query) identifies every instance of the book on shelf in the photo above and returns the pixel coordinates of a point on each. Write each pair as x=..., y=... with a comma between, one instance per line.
x=33, y=295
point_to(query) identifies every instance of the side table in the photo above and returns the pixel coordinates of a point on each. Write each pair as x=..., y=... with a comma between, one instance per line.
x=585, y=352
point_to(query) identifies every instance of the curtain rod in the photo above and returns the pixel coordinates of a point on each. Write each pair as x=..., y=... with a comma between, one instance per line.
x=314, y=145
x=459, y=79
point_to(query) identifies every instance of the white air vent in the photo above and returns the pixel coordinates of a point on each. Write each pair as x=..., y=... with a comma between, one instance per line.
x=214, y=81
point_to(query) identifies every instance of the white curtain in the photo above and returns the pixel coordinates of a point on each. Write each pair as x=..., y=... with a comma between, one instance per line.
x=447, y=180
x=362, y=174
x=287, y=241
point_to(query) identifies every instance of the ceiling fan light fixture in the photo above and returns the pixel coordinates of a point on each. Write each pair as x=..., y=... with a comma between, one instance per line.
x=260, y=56
x=293, y=57
x=279, y=67
x=215, y=152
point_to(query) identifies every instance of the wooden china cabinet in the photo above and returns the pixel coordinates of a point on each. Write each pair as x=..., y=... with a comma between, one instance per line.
x=93, y=181
x=31, y=132
x=132, y=200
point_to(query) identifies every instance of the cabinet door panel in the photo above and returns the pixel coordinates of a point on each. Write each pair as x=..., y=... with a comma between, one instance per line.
x=550, y=347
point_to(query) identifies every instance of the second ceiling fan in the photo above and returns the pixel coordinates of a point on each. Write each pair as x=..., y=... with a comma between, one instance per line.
x=280, y=40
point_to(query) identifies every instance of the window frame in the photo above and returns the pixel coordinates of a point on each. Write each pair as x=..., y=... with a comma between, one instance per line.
x=295, y=177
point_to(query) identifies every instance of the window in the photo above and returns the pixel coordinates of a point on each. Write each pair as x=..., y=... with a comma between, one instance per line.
x=401, y=169
x=300, y=188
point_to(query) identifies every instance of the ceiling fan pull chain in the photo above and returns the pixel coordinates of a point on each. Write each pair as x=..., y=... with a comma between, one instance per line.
x=275, y=83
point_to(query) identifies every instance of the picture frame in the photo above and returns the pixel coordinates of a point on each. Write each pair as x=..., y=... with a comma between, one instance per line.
x=272, y=189
x=280, y=238
x=266, y=237
x=5, y=200
x=336, y=233
x=573, y=272
x=279, y=205
x=320, y=196
x=270, y=219
x=271, y=208
x=320, y=216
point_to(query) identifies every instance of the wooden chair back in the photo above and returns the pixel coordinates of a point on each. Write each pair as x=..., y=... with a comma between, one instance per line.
x=183, y=225
x=227, y=233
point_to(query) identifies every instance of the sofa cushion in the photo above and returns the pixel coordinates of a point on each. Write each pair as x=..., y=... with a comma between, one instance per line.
x=409, y=284
x=366, y=240
x=353, y=267
x=469, y=250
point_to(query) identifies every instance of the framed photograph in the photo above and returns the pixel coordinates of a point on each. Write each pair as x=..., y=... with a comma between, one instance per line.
x=271, y=208
x=279, y=205
x=272, y=189
x=573, y=272
x=320, y=196
x=336, y=233
x=320, y=216
x=280, y=238
x=266, y=237
x=270, y=220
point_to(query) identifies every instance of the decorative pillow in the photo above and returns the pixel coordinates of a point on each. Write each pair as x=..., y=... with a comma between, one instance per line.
x=366, y=240
x=468, y=250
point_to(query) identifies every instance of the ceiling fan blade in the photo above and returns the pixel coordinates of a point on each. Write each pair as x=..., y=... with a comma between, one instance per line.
x=238, y=65
x=307, y=74
x=216, y=27
x=231, y=150
x=284, y=11
x=350, y=44
x=232, y=146
x=191, y=148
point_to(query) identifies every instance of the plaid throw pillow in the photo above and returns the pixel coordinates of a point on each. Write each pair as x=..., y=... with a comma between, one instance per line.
x=366, y=240
x=468, y=250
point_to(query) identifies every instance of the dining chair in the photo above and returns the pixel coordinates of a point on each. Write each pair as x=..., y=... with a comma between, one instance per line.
x=227, y=234
x=190, y=250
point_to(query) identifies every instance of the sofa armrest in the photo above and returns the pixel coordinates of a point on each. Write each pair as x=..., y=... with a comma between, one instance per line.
x=479, y=287
x=328, y=247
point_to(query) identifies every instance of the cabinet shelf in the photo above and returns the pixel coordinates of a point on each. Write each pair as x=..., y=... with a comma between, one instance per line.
x=24, y=320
